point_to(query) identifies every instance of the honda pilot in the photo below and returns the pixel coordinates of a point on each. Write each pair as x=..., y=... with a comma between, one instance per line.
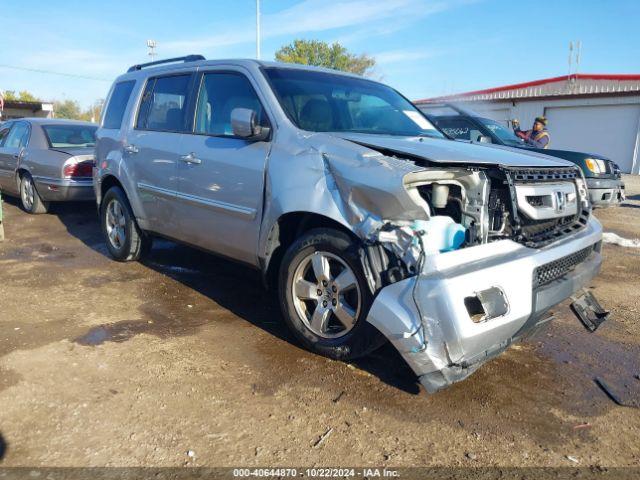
x=366, y=220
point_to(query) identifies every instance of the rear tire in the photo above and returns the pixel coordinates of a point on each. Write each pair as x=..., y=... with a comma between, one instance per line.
x=125, y=240
x=30, y=198
x=325, y=297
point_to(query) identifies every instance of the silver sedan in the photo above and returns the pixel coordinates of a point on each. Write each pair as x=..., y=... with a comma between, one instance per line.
x=46, y=160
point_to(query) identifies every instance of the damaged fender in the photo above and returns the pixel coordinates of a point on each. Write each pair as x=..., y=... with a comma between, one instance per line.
x=320, y=174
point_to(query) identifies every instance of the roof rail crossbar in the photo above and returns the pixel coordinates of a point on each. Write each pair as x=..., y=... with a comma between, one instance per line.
x=187, y=58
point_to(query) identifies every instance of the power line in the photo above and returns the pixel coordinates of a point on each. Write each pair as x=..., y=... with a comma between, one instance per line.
x=49, y=72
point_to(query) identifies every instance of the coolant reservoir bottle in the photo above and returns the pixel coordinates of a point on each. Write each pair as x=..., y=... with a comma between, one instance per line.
x=441, y=234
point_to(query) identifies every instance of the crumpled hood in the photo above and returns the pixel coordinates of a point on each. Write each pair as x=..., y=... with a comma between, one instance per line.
x=450, y=151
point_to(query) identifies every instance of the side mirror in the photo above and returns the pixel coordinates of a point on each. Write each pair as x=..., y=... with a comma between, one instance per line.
x=244, y=125
x=484, y=139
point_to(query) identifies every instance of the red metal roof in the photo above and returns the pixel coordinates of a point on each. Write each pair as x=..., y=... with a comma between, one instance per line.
x=535, y=83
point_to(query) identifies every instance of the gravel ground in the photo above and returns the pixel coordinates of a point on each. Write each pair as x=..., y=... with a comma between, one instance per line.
x=182, y=361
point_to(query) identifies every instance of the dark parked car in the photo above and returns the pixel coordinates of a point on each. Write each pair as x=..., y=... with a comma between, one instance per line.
x=46, y=160
x=603, y=176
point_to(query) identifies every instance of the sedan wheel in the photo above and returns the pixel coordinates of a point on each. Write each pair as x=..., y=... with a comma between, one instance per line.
x=31, y=201
x=27, y=193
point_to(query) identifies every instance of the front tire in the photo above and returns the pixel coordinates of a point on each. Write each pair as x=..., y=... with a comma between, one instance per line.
x=30, y=198
x=125, y=240
x=325, y=297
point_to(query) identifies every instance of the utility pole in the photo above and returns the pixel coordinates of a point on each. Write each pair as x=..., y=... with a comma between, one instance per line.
x=258, y=29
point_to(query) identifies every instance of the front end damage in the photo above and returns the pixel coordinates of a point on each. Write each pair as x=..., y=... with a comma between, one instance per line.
x=487, y=252
x=529, y=243
x=463, y=257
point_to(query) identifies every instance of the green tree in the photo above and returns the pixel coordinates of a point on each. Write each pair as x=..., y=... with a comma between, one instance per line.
x=71, y=109
x=23, y=96
x=321, y=54
x=28, y=97
x=67, y=109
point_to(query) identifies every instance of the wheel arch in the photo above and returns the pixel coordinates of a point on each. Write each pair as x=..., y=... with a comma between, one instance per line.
x=284, y=231
x=109, y=181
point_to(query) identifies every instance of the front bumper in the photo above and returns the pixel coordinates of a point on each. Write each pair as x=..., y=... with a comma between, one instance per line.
x=605, y=192
x=427, y=320
x=65, y=190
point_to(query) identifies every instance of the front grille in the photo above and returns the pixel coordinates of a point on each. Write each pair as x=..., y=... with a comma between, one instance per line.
x=538, y=233
x=543, y=175
x=551, y=271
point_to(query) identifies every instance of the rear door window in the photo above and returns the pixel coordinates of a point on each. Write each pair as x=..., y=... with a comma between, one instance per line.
x=4, y=132
x=18, y=136
x=118, y=104
x=164, y=104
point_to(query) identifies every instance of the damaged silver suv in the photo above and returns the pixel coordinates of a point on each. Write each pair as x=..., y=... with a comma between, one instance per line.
x=369, y=223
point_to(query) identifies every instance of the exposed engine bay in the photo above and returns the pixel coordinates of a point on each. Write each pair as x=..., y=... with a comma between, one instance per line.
x=474, y=206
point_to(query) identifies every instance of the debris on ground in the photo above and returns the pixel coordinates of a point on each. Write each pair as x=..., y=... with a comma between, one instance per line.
x=581, y=426
x=471, y=455
x=322, y=438
x=625, y=395
x=589, y=311
x=612, y=238
x=337, y=399
x=572, y=459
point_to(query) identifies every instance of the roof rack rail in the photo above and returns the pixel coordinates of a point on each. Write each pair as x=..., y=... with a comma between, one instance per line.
x=188, y=58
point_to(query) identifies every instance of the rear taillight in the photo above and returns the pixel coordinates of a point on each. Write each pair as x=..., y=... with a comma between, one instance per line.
x=80, y=169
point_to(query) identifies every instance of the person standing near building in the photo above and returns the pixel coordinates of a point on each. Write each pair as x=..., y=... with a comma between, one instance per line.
x=538, y=136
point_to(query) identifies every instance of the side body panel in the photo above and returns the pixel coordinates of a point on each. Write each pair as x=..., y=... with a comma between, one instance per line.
x=221, y=181
x=11, y=153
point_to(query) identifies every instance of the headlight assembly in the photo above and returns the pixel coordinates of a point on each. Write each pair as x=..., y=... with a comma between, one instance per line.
x=596, y=165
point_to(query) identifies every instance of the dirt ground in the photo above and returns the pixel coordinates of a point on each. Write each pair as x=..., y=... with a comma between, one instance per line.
x=183, y=360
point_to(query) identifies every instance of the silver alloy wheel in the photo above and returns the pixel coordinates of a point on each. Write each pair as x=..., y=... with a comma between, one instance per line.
x=28, y=192
x=116, y=224
x=326, y=294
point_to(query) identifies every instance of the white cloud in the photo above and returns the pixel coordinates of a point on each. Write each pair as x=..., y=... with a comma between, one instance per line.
x=313, y=16
x=398, y=56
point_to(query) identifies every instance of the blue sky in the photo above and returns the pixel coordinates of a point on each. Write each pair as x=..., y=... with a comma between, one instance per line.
x=423, y=47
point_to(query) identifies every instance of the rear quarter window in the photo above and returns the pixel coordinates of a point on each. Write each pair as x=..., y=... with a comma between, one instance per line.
x=118, y=104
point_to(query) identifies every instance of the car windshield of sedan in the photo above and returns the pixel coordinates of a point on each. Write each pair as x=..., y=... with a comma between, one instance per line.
x=324, y=102
x=503, y=133
x=70, y=136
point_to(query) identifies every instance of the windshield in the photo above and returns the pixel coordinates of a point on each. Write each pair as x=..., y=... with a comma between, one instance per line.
x=324, y=102
x=70, y=136
x=503, y=133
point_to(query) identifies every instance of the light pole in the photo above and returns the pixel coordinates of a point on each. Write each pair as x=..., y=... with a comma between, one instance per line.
x=258, y=29
x=152, y=44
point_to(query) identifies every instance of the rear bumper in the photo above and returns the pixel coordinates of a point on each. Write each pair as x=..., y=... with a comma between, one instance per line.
x=65, y=190
x=427, y=320
x=605, y=192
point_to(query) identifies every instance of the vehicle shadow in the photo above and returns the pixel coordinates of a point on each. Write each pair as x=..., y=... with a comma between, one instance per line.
x=3, y=447
x=233, y=286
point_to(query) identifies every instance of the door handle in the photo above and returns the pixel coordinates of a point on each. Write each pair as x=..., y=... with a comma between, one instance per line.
x=131, y=149
x=191, y=158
